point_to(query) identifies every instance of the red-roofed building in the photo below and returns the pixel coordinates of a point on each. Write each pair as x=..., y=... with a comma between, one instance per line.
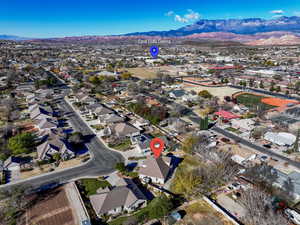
x=226, y=115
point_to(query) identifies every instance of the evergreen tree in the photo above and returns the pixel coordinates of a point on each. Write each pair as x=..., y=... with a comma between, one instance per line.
x=204, y=123
x=296, y=145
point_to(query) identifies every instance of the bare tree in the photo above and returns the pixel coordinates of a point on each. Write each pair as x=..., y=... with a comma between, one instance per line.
x=13, y=205
x=259, y=210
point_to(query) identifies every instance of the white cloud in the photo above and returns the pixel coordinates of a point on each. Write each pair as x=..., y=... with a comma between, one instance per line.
x=170, y=13
x=277, y=11
x=180, y=19
x=190, y=16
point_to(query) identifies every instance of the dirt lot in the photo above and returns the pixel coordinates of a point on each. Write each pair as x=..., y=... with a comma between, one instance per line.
x=216, y=91
x=143, y=72
x=200, y=210
x=46, y=168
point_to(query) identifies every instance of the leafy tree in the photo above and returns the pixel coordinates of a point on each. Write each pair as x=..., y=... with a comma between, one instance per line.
x=205, y=94
x=57, y=156
x=261, y=84
x=189, y=144
x=21, y=143
x=126, y=76
x=121, y=167
x=159, y=207
x=278, y=89
x=76, y=138
x=297, y=86
x=94, y=80
x=251, y=82
x=185, y=182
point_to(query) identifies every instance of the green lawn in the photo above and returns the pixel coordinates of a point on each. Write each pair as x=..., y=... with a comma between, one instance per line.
x=252, y=101
x=92, y=185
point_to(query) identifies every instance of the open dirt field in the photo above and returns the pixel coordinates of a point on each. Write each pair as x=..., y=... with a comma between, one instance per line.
x=216, y=91
x=143, y=72
x=200, y=210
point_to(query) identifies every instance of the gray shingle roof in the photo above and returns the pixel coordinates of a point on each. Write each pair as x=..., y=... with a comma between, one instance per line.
x=123, y=195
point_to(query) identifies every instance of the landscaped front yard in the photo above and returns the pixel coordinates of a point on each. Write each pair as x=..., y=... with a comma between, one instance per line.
x=92, y=185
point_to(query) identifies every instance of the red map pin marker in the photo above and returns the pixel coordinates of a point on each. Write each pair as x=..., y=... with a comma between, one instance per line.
x=157, y=146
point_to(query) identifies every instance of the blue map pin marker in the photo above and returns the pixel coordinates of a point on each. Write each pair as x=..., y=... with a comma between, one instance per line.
x=154, y=50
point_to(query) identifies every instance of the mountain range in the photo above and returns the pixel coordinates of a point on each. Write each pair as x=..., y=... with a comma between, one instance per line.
x=253, y=31
x=237, y=26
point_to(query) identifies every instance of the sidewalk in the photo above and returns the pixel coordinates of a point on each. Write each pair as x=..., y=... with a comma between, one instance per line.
x=92, y=129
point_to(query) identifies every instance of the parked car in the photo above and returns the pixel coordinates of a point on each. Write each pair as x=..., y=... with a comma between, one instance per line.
x=264, y=158
x=267, y=146
x=292, y=215
x=225, y=140
x=234, y=186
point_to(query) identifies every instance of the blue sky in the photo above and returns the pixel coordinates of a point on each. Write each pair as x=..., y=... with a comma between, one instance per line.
x=59, y=18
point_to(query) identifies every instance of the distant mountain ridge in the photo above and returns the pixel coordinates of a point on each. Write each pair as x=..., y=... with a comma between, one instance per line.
x=13, y=37
x=253, y=31
x=247, y=26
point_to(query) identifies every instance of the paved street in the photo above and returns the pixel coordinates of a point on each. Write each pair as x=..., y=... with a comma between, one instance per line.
x=103, y=160
x=259, y=148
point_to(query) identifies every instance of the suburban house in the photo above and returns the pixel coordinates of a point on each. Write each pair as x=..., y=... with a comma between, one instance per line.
x=244, y=125
x=54, y=144
x=124, y=130
x=84, y=98
x=142, y=144
x=141, y=123
x=98, y=109
x=289, y=117
x=175, y=124
x=155, y=169
x=176, y=94
x=110, y=118
x=38, y=112
x=47, y=123
x=125, y=196
x=12, y=163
